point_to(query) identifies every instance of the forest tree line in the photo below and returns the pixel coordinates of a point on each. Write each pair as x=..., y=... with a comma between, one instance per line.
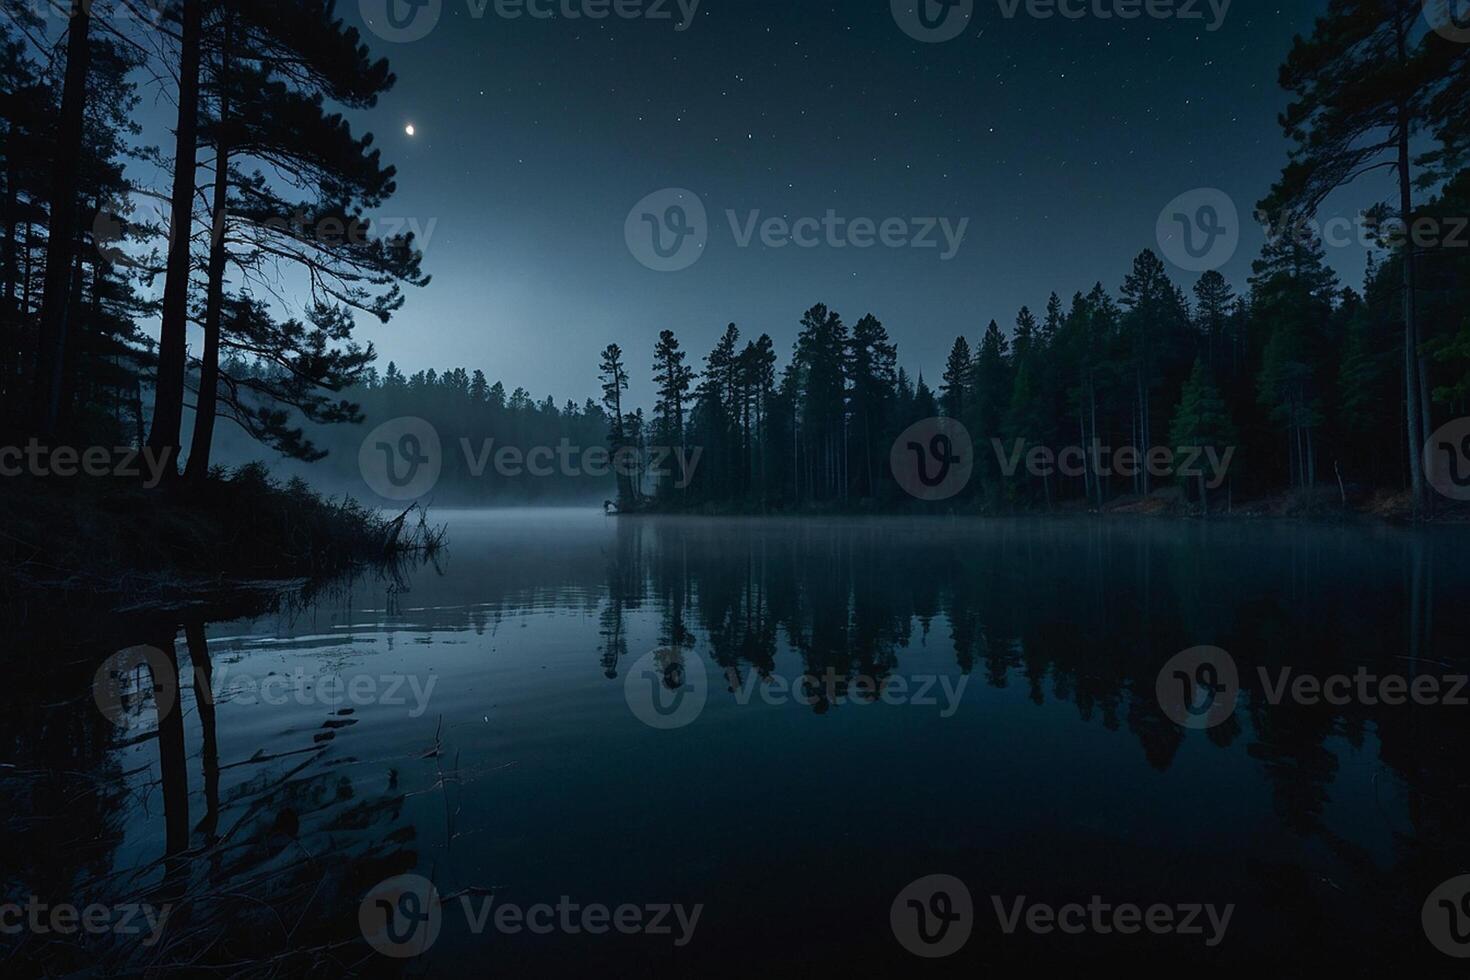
x=1323, y=389
x=1317, y=383
x=1303, y=375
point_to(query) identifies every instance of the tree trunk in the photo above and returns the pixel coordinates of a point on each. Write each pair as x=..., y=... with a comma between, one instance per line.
x=206, y=405
x=71, y=352
x=168, y=405
x=1412, y=413
x=1426, y=421
x=61, y=242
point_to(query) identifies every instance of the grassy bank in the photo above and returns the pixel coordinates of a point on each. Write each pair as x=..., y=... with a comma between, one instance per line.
x=112, y=543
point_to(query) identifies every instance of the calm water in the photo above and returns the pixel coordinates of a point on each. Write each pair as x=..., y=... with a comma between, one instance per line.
x=860, y=703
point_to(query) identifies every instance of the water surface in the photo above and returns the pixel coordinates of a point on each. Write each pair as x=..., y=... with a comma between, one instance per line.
x=879, y=700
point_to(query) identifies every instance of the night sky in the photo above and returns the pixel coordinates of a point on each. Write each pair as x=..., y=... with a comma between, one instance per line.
x=1059, y=140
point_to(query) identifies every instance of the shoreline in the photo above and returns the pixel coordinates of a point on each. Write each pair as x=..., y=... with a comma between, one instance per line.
x=121, y=549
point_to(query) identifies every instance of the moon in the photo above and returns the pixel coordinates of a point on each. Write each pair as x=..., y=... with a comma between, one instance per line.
x=409, y=129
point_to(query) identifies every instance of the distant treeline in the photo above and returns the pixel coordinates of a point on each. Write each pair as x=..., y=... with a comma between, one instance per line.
x=1302, y=377
x=466, y=410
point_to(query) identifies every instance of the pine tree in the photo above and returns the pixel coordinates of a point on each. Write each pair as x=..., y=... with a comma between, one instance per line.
x=1214, y=304
x=871, y=367
x=614, y=382
x=958, y=376
x=271, y=65
x=674, y=379
x=1363, y=87
x=1201, y=421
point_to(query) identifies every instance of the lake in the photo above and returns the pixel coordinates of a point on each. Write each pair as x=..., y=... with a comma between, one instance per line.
x=724, y=745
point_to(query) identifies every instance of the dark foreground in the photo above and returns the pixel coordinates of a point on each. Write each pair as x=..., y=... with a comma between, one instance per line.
x=718, y=747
